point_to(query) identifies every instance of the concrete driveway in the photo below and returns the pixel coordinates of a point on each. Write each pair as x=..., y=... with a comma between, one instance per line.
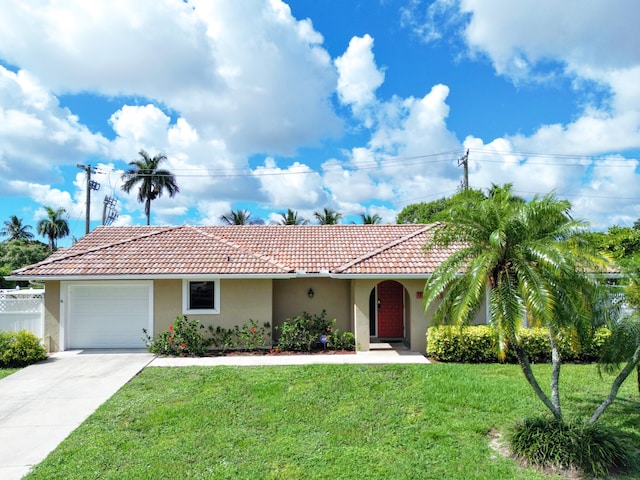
x=42, y=404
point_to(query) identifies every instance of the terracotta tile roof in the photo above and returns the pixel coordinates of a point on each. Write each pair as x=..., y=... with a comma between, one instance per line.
x=244, y=250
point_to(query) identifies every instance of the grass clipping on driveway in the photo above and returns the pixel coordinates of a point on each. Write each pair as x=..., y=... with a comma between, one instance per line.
x=5, y=372
x=317, y=422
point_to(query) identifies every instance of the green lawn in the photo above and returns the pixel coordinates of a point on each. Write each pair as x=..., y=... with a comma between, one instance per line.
x=5, y=372
x=319, y=422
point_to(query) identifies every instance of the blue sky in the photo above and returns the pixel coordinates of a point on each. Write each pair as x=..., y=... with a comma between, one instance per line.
x=359, y=106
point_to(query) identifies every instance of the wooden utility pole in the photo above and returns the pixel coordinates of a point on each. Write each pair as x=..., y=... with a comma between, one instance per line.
x=464, y=161
x=91, y=185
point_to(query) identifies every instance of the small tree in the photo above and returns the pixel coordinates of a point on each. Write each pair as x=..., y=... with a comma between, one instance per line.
x=53, y=227
x=533, y=262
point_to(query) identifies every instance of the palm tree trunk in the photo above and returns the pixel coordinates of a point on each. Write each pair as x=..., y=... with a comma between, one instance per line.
x=147, y=209
x=523, y=360
x=619, y=380
x=556, y=362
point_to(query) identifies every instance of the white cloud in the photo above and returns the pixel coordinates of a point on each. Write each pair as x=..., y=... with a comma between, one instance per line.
x=518, y=35
x=118, y=47
x=36, y=134
x=295, y=187
x=359, y=76
x=216, y=84
x=247, y=71
x=414, y=126
x=140, y=126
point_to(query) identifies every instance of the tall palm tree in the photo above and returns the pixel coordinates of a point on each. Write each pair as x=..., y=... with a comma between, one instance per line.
x=239, y=217
x=54, y=226
x=531, y=262
x=370, y=219
x=15, y=230
x=152, y=180
x=291, y=218
x=327, y=216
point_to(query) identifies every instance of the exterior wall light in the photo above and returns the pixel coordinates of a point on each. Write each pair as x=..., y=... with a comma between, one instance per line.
x=310, y=293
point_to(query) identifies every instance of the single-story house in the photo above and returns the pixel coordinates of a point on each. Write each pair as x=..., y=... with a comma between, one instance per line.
x=116, y=281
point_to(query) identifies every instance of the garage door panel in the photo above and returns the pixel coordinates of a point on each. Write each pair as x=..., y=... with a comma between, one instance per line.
x=108, y=315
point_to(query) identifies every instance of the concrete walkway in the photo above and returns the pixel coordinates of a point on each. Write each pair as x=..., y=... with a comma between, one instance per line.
x=380, y=353
x=42, y=404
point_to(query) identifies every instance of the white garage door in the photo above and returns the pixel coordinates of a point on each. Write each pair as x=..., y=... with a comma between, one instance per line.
x=108, y=314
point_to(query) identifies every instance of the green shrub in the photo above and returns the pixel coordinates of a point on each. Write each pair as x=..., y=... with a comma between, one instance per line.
x=309, y=331
x=594, y=449
x=249, y=337
x=478, y=344
x=224, y=339
x=337, y=340
x=19, y=349
x=470, y=345
x=183, y=339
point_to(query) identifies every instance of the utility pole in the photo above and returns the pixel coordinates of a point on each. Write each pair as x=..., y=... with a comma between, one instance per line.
x=109, y=213
x=91, y=185
x=464, y=161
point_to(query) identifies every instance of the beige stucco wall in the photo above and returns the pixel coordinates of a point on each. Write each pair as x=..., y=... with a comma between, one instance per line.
x=417, y=320
x=290, y=299
x=273, y=301
x=52, y=316
x=361, y=289
x=240, y=301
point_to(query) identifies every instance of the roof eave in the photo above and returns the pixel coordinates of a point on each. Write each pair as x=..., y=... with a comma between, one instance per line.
x=385, y=276
x=172, y=276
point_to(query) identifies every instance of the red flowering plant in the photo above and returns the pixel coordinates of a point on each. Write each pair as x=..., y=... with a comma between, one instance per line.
x=253, y=336
x=183, y=338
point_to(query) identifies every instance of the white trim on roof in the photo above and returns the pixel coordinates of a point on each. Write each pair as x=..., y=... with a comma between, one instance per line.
x=383, y=276
x=173, y=276
x=231, y=276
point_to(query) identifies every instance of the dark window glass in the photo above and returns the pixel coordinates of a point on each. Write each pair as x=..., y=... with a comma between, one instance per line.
x=201, y=296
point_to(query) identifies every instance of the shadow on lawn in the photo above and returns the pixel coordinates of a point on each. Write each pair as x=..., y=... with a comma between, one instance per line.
x=621, y=415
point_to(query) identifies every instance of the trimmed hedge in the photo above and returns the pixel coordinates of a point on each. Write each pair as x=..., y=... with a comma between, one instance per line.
x=19, y=349
x=479, y=344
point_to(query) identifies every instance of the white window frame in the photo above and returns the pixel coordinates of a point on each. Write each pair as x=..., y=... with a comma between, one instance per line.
x=200, y=311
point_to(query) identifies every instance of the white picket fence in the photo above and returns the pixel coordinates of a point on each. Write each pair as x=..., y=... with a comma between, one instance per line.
x=22, y=310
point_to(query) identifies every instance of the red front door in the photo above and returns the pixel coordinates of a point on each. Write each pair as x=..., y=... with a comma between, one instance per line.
x=390, y=309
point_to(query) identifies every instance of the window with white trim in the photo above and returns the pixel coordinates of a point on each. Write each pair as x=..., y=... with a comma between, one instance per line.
x=200, y=296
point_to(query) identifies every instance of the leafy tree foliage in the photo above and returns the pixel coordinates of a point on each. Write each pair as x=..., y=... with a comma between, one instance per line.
x=431, y=212
x=16, y=254
x=151, y=179
x=622, y=243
